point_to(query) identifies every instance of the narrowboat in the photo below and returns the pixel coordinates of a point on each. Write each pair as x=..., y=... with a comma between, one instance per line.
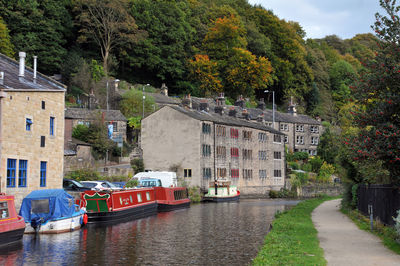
x=221, y=190
x=48, y=211
x=171, y=198
x=115, y=205
x=12, y=226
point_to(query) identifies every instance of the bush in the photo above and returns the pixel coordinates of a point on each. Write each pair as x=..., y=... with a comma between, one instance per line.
x=83, y=174
x=303, y=177
x=325, y=172
x=194, y=194
x=294, y=165
x=137, y=165
x=132, y=183
x=283, y=193
x=300, y=156
x=273, y=194
x=306, y=167
x=316, y=163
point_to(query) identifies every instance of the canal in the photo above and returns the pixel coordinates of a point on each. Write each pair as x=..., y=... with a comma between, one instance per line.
x=204, y=234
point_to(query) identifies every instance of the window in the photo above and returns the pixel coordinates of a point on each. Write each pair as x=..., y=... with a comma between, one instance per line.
x=262, y=174
x=235, y=173
x=11, y=170
x=115, y=126
x=206, y=150
x=221, y=131
x=284, y=127
x=286, y=139
x=23, y=165
x=43, y=105
x=262, y=155
x=299, y=128
x=277, y=173
x=299, y=139
x=247, y=135
x=187, y=172
x=234, y=133
x=43, y=170
x=247, y=154
x=221, y=172
x=221, y=151
x=277, y=138
x=277, y=155
x=262, y=137
x=139, y=197
x=42, y=141
x=314, y=129
x=247, y=173
x=28, y=124
x=148, y=196
x=52, y=126
x=269, y=124
x=206, y=173
x=312, y=152
x=234, y=152
x=4, y=210
x=314, y=140
x=206, y=128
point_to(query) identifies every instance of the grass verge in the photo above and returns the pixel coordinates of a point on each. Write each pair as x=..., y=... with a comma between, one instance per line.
x=387, y=234
x=293, y=239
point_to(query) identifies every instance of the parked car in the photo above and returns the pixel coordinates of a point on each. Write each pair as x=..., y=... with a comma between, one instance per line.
x=73, y=185
x=99, y=185
x=119, y=184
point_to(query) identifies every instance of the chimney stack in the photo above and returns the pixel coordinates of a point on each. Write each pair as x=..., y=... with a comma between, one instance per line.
x=164, y=89
x=240, y=102
x=34, y=67
x=22, y=56
x=232, y=111
x=187, y=102
x=261, y=104
x=292, y=107
x=245, y=114
x=204, y=106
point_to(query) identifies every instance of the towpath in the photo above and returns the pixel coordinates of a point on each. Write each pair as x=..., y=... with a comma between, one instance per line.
x=344, y=243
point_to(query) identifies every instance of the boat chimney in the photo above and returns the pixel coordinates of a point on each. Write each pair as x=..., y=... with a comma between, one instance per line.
x=22, y=56
x=34, y=67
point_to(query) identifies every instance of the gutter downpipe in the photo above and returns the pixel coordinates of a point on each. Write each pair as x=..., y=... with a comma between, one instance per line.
x=215, y=169
x=2, y=95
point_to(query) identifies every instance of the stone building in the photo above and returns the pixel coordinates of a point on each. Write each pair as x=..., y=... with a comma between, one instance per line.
x=31, y=129
x=206, y=144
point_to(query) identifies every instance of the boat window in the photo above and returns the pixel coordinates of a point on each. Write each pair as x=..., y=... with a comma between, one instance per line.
x=89, y=184
x=139, y=197
x=40, y=206
x=148, y=195
x=4, y=210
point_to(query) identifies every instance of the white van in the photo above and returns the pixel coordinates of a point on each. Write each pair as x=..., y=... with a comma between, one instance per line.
x=168, y=179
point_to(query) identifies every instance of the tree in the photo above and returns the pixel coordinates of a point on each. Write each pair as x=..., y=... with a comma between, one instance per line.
x=6, y=46
x=378, y=96
x=108, y=24
x=131, y=104
x=205, y=71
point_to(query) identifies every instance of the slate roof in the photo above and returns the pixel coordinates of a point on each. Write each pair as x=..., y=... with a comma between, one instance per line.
x=223, y=119
x=162, y=99
x=12, y=81
x=255, y=112
x=87, y=114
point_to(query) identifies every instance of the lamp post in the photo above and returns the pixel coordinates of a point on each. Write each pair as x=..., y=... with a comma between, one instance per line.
x=144, y=97
x=273, y=107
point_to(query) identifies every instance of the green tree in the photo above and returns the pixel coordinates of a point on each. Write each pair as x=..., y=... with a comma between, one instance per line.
x=6, y=46
x=378, y=96
x=131, y=104
x=205, y=72
x=108, y=24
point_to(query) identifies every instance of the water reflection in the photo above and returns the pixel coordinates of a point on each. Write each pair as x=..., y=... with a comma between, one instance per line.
x=213, y=234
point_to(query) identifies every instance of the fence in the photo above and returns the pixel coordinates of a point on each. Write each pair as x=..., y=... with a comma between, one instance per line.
x=385, y=201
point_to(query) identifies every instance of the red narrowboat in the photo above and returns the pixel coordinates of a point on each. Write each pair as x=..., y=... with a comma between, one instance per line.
x=12, y=226
x=171, y=198
x=115, y=205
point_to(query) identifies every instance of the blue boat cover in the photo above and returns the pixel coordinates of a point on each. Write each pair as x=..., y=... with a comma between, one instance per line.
x=49, y=204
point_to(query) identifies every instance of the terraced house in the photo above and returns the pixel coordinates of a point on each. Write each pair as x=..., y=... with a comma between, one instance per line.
x=205, y=144
x=31, y=129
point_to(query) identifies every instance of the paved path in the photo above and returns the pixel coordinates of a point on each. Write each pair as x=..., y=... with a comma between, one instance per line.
x=344, y=243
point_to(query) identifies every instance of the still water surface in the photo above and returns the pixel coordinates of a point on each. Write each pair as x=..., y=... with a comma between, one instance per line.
x=204, y=234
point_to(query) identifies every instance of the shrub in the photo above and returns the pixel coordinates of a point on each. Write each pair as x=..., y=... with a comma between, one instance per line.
x=273, y=194
x=83, y=174
x=325, y=172
x=316, y=163
x=300, y=156
x=303, y=177
x=194, y=194
x=132, y=183
x=397, y=223
x=306, y=167
x=137, y=165
x=294, y=165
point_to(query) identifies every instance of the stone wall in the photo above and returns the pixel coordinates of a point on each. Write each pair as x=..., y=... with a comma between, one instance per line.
x=82, y=160
x=314, y=190
x=21, y=144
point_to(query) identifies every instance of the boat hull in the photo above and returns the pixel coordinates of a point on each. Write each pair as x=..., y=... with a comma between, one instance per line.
x=57, y=226
x=222, y=199
x=12, y=236
x=135, y=212
x=165, y=207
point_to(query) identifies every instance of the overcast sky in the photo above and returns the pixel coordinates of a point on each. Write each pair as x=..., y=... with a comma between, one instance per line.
x=319, y=18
